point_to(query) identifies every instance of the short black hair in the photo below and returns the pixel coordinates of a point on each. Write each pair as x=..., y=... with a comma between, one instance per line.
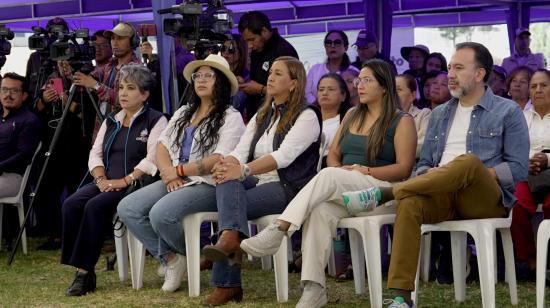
x=482, y=56
x=16, y=76
x=99, y=33
x=254, y=21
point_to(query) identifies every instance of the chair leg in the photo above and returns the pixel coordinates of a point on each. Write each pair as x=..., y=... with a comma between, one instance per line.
x=371, y=243
x=485, y=239
x=1, y=218
x=137, y=260
x=280, y=263
x=508, y=248
x=192, y=227
x=21, y=214
x=542, y=254
x=414, y=294
x=458, y=249
x=358, y=260
x=332, y=263
x=121, y=245
x=425, y=256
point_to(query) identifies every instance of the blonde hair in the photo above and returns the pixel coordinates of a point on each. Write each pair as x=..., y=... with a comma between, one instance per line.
x=295, y=100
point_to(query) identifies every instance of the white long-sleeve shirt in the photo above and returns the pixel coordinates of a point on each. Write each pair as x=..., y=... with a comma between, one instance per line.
x=301, y=135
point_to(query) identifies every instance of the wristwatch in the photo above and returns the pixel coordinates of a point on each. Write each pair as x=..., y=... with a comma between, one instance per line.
x=245, y=172
x=96, y=86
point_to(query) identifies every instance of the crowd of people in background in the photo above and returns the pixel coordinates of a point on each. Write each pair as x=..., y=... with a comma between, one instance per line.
x=248, y=139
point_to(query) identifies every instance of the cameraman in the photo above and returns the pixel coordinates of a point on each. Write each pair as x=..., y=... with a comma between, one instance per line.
x=105, y=80
x=103, y=51
x=39, y=63
x=265, y=45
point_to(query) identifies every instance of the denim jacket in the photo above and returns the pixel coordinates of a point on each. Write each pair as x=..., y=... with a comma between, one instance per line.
x=497, y=135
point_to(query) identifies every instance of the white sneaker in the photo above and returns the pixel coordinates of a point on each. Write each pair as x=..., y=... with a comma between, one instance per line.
x=361, y=200
x=265, y=243
x=161, y=271
x=176, y=270
x=314, y=296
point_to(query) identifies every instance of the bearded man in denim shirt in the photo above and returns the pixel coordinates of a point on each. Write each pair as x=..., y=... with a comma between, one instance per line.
x=475, y=151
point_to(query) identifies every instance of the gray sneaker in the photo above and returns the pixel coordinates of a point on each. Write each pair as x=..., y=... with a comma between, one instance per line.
x=265, y=243
x=314, y=296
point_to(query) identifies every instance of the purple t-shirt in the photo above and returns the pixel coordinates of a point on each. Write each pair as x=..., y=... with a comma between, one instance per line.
x=186, y=144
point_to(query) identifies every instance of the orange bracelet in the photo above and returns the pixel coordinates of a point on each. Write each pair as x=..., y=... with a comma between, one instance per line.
x=180, y=171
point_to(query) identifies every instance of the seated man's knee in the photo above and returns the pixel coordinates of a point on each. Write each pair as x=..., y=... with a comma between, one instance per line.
x=470, y=160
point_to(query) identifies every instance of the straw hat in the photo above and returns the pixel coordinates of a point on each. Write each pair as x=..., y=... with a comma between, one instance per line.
x=214, y=61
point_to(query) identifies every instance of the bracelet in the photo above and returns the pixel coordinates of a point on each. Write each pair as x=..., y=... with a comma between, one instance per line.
x=125, y=181
x=368, y=171
x=180, y=171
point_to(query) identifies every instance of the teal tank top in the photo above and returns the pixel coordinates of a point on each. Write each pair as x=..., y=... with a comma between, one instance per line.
x=354, y=147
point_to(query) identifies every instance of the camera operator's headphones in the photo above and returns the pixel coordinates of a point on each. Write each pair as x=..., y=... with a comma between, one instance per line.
x=134, y=40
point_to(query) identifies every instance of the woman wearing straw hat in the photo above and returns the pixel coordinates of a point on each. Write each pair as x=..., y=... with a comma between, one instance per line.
x=197, y=136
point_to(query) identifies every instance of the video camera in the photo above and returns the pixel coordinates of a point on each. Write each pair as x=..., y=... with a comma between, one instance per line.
x=58, y=45
x=41, y=39
x=80, y=56
x=200, y=31
x=5, y=35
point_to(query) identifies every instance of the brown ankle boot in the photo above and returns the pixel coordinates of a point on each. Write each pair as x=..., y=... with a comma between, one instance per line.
x=221, y=296
x=228, y=246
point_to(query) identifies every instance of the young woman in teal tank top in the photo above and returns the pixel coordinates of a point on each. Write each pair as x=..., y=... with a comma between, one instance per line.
x=375, y=145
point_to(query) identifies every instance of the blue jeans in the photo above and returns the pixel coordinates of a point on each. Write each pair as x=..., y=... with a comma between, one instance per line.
x=155, y=216
x=237, y=203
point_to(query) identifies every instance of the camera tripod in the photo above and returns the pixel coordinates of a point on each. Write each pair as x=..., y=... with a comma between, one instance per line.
x=48, y=154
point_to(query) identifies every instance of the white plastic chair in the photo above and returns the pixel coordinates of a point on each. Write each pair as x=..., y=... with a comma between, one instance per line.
x=364, y=238
x=543, y=234
x=121, y=245
x=191, y=226
x=280, y=259
x=17, y=201
x=483, y=231
x=192, y=232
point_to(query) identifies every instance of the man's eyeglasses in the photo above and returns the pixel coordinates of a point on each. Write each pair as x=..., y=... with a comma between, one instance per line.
x=334, y=43
x=4, y=90
x=203, y=76
x=229, y=49
x=363, y=80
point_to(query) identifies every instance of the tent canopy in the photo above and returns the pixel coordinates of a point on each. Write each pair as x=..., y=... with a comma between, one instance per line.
x=291, y=17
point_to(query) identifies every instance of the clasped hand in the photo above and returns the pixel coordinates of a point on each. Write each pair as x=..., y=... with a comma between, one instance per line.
x=111, y=185
x=224, y=171
x=537, y=163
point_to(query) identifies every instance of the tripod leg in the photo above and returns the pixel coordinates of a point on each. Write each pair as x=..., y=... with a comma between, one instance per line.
x=48, y=154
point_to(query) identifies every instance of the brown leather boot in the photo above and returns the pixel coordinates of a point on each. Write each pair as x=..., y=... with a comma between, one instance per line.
x=228, y=246
x=221, y=296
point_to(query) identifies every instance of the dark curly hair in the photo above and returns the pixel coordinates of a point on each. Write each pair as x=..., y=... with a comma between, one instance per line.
x=209, y=127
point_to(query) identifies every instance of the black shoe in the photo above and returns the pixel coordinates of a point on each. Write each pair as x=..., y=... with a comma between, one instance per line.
x=82, y=284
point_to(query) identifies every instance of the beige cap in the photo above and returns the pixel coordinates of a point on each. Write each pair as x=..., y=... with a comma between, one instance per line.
x=122, y=29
